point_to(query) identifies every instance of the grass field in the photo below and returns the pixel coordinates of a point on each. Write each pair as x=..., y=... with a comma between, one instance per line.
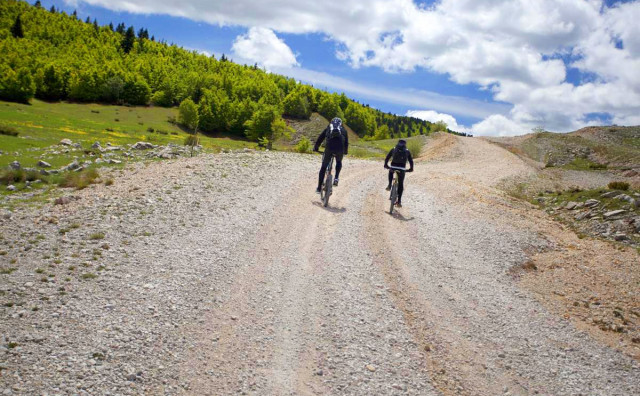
x=41, y=125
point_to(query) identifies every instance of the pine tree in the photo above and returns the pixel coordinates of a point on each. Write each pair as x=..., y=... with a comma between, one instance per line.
x=128, y=40
x=95, y=25
x=16, y=29
x=37, y=4
x=52, y=9
x=121, y=28
x=75, y=14
x=111, y=26
x=88, y=20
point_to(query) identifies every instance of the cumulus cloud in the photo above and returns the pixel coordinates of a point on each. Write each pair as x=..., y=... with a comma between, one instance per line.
x=262, y=46
x=434, y=116
x=520, y=50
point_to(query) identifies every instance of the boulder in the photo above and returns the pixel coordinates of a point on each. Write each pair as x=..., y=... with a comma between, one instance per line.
x=142, y=146
x=609, y=194
x=15, y=165
x=44, y=164
x=66, y=142
x=72, y=166
x=571, y=205
x=96, y=145
x=11, y=187
x=614, y=213
x=620, y=236
x=590, y=203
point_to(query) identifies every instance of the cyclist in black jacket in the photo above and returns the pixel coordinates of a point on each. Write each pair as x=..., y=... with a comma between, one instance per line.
x=399, y=156
x=337, y=144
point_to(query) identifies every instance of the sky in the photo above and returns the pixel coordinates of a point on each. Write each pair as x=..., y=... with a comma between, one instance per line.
x=487, y=67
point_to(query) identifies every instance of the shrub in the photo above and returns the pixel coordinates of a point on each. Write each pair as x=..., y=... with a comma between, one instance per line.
x=7, y=130
x=192, y=140
x=96, y=236
x=150, y=130
x=304, y=145
x=415, y=147
x=618, y=185
x=11, y=176
x=79, y=180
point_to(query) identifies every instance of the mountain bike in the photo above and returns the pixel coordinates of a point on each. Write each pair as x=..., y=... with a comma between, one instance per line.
x=327, y=185
x=393, y=197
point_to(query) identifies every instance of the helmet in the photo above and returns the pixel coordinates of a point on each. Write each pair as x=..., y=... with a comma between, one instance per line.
x=336, y=123
x=402, y=142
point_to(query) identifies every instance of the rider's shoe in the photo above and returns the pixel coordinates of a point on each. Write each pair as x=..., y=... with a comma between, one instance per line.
x=335, y=182
x=399, y=204
x=318, y=190
x=388, y=187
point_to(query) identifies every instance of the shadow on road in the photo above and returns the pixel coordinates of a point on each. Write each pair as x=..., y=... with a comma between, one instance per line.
x=399, y=216
x=329, y=208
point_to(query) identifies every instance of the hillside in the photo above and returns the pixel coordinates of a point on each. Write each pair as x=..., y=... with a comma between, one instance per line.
x=589, y=148
x=58, y=57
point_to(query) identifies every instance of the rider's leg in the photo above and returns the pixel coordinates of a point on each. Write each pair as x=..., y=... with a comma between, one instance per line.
x=338, y=164
x=390, y=180
x=400, y=185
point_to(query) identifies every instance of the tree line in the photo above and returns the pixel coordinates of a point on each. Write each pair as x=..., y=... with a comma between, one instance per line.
x=53, y=56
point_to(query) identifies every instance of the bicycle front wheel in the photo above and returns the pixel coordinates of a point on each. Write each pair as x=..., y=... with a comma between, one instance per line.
x=327, y=190
x=394, y=196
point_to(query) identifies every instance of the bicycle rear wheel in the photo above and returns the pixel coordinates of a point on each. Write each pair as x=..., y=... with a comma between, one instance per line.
x=394, y=196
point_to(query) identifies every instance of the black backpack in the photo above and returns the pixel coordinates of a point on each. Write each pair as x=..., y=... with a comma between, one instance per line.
x=335, y=133
x=400, y=155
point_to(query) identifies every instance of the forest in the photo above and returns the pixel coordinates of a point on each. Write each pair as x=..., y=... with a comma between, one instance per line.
x=53, y=56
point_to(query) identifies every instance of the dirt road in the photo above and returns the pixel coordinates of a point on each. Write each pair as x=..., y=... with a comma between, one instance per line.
x=257, y=289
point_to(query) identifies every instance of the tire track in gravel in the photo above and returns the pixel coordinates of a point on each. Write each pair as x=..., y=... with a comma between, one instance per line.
x=447, y=261
x=307, y=314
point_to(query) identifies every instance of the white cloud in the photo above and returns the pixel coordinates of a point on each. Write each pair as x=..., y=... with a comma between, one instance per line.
x=499, y=125
x=434, y=116
x=512, y=47
x=262, y=46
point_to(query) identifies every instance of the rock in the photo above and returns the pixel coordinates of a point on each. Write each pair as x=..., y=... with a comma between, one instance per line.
x=609, y=194
x=620, y=236
x=66, y=142
x=614, y=213
x=591, y=203
x=44, y=164
x=77, y=145
x=113, y=161
x=62, y=201
x=72, y=166
x=571, y=205
x=142, y=146
x=11, y=187
x=631, y=173
x=96, y=145
x=582, y=216
x=370, y=368
x=15, y=165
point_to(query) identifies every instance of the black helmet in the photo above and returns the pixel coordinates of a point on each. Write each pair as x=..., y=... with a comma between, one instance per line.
x=336, y=122
x=402, y=142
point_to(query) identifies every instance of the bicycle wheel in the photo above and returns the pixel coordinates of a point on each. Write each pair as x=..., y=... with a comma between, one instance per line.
x=327, y=189
x=394, y=196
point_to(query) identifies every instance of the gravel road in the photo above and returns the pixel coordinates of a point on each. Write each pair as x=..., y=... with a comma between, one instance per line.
x=223, y=274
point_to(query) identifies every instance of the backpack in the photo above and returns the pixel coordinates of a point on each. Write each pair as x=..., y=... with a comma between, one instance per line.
x=400, y=156
x=335, y=132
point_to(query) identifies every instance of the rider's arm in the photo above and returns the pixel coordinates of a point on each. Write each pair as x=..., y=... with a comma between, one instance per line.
x=386, y=160
x=320, y=139
x=346, y=141
x=410, y=160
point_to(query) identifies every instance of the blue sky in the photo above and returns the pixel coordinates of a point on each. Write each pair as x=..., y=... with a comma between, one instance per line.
x=445, y=60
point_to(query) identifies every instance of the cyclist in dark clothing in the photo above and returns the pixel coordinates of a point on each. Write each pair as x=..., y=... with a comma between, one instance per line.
x=337, y=144
x=399, y=156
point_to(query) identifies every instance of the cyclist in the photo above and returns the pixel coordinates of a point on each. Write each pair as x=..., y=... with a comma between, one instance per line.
x=399, y=156
x=337, y=144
